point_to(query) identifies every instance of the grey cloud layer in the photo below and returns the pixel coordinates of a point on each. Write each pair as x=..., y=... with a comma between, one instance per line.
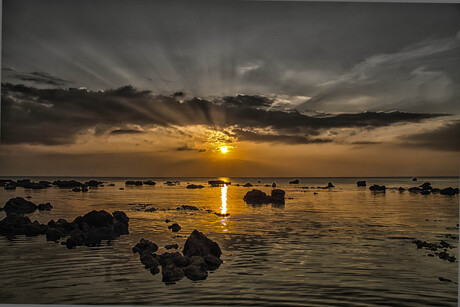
x=56, y=116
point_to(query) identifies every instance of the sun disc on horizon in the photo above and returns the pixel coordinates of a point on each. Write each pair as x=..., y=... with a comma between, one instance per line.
x=224, y=149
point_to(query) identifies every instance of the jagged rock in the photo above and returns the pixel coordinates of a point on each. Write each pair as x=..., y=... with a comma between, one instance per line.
x=361, y=183
x=16, y=224
x=172, y=273
x=273, y=185
x=155, y=270
x=174, y=258
x=377, y=187
x=145, y=246
x=19, y=205
x=54, y=234
x=212, y=262
x=149, y=260
x=295, y=181
x=329, y=185
x=174, y=227
x=195, y=186
x=45, y=207
x=197, y=244
x=195, y=272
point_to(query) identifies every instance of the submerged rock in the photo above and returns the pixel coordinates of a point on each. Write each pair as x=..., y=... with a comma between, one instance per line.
x=449, y=191
x=195, y=186
x=19, y=205
x=17, y=224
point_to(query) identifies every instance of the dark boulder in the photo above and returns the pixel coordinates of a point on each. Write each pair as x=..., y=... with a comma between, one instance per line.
x=98, y=219
x=93, y=183
x=361, y=183
x=449, y=191
x=149, y=260
x=54, y=234
x=414, y=190
x=212, y=262
x=247, y=185
x=426, y=186
x=145, y=246
x=45, y=207
x=414, y=179
x=273, y=185
x=329, y=185
x=256, y=197
x=19, y=205
x=197, y=244
x=295, y=181
x=425, y=192
x=174, y=258
x=67, y=184
x=172, y=273
x=174, y=227
x=16, y=224
x=195, y=272
x=277, y=196
x=401, y=189
x=377, y=187
x=149, y=182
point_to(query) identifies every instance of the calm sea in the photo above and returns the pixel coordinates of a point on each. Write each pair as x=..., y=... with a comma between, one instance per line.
x=343, y=246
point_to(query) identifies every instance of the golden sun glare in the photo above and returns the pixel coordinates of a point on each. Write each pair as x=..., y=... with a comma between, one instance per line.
x=224, y=149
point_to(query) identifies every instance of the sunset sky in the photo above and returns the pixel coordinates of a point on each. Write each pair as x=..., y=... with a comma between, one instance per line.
x=156, y=88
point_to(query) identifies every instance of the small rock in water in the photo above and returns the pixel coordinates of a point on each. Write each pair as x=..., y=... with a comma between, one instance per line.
x=377, y=187
x=174, y=227
x=172, y=246
x=361, y=183
x=295, y=181
x=195, y=186
x=45, y=207
x=145, y=246
x=247, y=185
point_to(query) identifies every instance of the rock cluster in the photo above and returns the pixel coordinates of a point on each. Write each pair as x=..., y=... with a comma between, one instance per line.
x=434, y=247
x=195, y=186
x=361, y=183
x=200, y=254
x=19, y=205
x=257, y=197
x=377, y=187
x=133, y=182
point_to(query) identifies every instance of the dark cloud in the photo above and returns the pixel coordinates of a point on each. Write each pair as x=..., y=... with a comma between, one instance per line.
x=445, y=138
x=365, y=143
x=57, y=116
x=38, y=78
x=184, y=148
x=244, y=135
x=126, y=131
x=247, y=101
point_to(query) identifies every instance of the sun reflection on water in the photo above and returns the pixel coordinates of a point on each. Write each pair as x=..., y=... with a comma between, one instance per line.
x=223, y=208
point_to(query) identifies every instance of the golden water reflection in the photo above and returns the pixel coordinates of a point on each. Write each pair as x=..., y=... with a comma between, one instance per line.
x=223, y=208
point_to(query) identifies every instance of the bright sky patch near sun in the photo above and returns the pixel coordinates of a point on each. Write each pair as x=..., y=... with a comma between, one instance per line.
x=97, y=92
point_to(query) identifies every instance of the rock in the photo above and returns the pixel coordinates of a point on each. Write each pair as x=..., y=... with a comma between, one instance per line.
x=212, y=262
x=329, y=185
x=197, y=244
x=152, y=209
x=93, y=183
x=145, y=246
x=273, y=185
x=171, y=273
x=444, y=279
x=111, y=185
x=218, y=183
x=174, y=227
x=19, y=205
x=149, y=260
x=149, y=182
x=435, y=190
x=154, y=270
x=247, y=185
x=45, y=207
x=54, y=234
x=121, y=189
x=174, y=258
x=401, y=189
x=98, y=218
x=361, y=183
x=449, y=191
x=195, y=186
x=267, y=185
x=414, y=179
x=195, y=272
x=16, y=224
x=67, y=184
x=10, y=187
x=84, y=189
x=172, y=246
x=414, y=190
x=295, y=181
x=277, y=196
x=167, y=221
x=426, y=186
x=256, y=197
x=377, y=187
x=76, y=189
x=425, y=192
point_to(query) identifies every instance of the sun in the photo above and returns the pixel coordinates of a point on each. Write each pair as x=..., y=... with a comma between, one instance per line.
x=224, y=149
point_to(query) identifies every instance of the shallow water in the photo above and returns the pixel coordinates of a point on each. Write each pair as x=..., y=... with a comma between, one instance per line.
x=343, y=246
